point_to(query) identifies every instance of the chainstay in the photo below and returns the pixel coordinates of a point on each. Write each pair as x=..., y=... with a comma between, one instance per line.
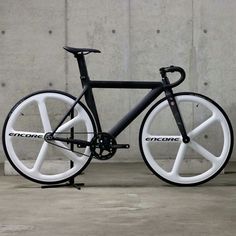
x=68, y=149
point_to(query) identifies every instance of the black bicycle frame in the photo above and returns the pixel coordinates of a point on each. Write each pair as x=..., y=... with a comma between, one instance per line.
x=156, y=89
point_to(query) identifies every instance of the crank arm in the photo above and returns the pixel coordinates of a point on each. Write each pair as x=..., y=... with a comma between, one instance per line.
x=124, y=146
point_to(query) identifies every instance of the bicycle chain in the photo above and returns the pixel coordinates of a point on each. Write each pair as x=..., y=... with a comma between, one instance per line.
x=68, y=148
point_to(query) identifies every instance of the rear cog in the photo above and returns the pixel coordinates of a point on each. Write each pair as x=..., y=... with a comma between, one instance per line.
x=102, y=146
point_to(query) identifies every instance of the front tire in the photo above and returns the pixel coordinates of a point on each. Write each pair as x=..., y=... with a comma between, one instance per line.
x=200, y=160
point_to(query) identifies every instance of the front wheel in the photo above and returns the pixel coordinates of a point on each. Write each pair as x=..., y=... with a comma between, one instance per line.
x=26, y=126
x=196, y=162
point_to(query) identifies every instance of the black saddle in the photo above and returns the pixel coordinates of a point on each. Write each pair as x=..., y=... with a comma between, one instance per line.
x=81, y=50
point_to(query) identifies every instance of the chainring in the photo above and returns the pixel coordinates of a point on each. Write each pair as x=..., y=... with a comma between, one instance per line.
x=102, y=146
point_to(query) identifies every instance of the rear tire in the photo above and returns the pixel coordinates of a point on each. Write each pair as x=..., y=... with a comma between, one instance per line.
x=23, y=137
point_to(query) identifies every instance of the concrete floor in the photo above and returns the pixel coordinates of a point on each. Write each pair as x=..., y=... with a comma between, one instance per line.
x=118, y=199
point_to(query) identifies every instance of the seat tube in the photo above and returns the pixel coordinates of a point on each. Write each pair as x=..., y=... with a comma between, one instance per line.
x=89, y=98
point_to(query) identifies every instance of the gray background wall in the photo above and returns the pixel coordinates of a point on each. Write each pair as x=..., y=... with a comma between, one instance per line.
x=136, y=37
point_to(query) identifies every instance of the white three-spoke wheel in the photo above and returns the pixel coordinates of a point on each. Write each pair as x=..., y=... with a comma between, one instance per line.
x=176, y=162
x=23, y=137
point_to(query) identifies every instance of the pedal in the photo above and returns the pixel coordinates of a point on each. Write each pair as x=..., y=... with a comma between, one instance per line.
x=124, y=146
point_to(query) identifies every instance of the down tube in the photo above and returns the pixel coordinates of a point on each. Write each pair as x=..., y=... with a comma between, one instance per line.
x=129, y=117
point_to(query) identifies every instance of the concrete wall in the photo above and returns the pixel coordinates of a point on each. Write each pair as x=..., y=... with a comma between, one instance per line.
x=136, y=37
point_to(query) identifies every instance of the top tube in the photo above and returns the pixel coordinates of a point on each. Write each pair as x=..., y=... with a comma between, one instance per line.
x=125, y=84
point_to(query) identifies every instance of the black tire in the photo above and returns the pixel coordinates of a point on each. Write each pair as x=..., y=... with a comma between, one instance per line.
x=222, y=166
x=4, y=141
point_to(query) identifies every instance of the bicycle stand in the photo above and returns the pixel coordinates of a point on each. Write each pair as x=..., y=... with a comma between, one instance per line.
x=71, y=183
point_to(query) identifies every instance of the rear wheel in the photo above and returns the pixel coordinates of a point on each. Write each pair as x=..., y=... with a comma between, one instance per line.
x=196, y=162
x=23, y=137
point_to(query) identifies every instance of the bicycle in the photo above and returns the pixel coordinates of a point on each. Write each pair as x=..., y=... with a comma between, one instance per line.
x=176, y=133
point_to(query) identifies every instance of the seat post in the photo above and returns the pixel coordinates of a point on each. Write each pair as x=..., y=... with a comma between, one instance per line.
x=82, y=68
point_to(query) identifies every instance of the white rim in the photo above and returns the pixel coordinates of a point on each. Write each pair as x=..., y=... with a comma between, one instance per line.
x=216, y=161
x=34, y=173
